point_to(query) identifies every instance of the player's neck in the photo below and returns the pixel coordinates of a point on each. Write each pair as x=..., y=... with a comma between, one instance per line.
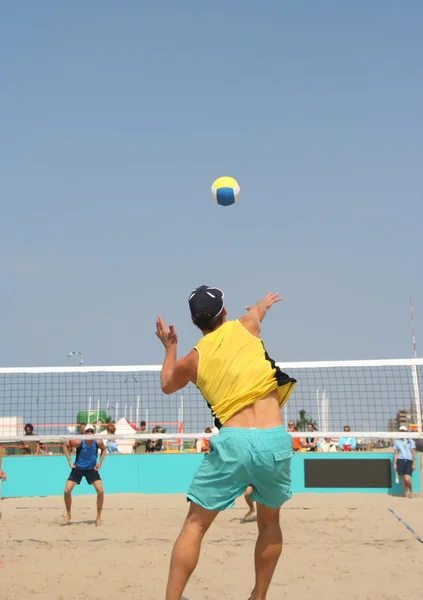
x=205, y=332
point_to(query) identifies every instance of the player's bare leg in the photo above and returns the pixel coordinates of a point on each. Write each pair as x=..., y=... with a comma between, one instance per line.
x=186, y=550
x=268, y=549
x=408, y=486
x=68, y=501
x=98, y=485
x=404, y=486
x=252, y=511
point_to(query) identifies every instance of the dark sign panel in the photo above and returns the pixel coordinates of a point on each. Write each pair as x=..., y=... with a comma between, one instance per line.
x=347, y=473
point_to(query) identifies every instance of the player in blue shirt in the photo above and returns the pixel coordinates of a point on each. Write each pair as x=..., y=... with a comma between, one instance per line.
x=85, y=466
x=405, y=462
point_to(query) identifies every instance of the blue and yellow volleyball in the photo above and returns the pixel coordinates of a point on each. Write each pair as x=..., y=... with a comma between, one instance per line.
x=225, y=191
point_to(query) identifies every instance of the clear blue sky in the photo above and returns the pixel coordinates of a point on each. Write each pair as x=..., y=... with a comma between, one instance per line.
x=116, y=117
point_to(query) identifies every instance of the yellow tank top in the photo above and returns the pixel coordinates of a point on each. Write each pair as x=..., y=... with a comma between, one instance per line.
x=235, y=371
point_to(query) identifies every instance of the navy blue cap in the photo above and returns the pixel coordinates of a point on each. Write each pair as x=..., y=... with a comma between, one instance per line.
x=206, y=299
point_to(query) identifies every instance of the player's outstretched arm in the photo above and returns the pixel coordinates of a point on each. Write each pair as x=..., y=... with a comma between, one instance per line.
x=256, y=313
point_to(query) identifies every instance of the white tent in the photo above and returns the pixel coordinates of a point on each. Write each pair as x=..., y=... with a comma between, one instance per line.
x=123, y=427
x=11, y=426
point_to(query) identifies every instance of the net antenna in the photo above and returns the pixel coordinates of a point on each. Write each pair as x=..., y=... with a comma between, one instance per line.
x=417, y=405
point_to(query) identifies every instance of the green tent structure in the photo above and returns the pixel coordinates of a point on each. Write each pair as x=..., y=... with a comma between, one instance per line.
x=92, y=416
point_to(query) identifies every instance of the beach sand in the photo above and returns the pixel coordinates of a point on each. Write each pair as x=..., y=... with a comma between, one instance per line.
x=335, y=546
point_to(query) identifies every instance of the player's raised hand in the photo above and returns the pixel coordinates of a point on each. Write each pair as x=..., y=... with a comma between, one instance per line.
x=269, y=300
x=165, y=335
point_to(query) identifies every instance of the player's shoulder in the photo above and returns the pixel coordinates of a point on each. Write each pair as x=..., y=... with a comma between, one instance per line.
x=250, y=323
x=214, y=337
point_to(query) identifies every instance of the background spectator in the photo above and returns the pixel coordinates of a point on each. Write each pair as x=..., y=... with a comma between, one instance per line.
x=346, y=444
x=310, y=443
x=111, y=445
x=203, y=445
x=296, y=442
x=328, y=445
x=154, y=445
x=140, y=446
x=28, y=447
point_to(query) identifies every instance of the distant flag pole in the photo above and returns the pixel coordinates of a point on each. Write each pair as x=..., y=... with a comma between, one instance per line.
x=77, y=353
x=417, y=405
x=412, y=329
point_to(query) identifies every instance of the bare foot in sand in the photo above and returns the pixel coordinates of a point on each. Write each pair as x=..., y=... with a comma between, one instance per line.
x=68, y=517
x=250, y=514
x=98, y=522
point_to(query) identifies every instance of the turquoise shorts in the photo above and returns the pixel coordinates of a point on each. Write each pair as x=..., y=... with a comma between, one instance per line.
x=238, y=458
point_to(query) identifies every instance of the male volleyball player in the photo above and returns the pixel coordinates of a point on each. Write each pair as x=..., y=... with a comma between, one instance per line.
x=405, y=462
x=2, y=478
x=85, y=465
x=245, y=391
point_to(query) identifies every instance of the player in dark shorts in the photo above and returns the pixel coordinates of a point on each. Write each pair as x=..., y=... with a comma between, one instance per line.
x=2, y=478
x=85, y=466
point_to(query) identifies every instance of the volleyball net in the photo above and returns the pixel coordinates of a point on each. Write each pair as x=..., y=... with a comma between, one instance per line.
x=373, y=398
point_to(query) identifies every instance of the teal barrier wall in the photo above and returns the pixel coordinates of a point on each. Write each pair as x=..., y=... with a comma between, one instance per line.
x=160, y=474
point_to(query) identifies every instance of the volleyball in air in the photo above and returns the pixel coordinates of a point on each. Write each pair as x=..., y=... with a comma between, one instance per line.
x=225, y=191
